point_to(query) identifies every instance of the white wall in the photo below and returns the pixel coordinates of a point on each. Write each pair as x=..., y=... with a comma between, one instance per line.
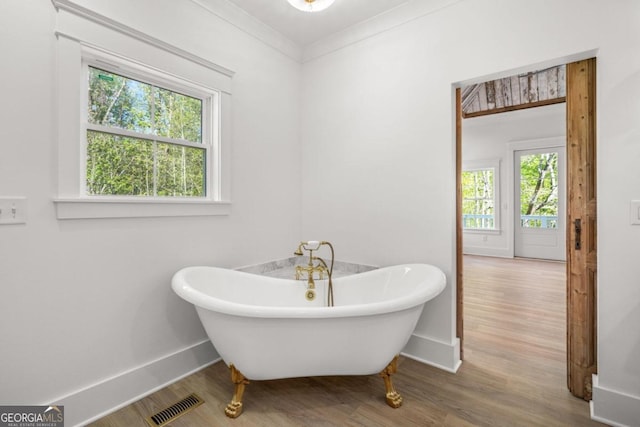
x=86, y=300
x=82, y=301
x=487, y=138
x=377, y=160
x=378, y=138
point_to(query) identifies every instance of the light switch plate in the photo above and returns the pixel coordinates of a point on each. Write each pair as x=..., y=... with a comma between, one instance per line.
x=13, y=210
x=634, y=212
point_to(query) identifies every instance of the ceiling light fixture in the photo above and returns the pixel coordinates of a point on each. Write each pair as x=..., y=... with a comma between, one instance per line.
x=311, y=5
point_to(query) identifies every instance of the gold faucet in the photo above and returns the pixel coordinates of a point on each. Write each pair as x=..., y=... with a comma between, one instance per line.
x=321, y=268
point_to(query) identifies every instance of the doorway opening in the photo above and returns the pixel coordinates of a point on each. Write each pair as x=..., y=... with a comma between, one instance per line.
x=581, y=201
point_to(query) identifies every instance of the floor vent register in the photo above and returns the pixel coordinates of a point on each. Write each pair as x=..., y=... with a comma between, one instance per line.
x=174, y=411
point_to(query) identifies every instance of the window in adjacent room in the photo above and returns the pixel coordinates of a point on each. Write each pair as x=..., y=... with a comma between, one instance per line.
x=480, y=198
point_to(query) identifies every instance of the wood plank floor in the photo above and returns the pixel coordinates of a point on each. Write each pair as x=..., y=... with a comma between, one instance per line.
x=513, y=375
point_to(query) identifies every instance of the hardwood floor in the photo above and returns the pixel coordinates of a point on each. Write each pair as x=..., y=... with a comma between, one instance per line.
x=514, y=373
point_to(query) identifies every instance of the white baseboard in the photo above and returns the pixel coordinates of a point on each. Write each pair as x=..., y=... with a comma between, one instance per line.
x=435, y=353
x=613, y=407
x=487, y=251
x=98, y=400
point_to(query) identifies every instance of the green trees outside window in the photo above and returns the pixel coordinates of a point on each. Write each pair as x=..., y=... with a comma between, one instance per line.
x=143, y=140
x=478, y=199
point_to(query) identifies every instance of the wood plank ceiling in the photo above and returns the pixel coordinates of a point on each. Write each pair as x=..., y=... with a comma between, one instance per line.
x=533, y=89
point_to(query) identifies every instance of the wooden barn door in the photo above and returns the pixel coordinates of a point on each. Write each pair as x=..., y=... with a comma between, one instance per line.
x=581, y=221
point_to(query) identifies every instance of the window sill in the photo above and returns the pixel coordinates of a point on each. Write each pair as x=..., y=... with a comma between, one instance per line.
x=81, y=208
x=482, y=231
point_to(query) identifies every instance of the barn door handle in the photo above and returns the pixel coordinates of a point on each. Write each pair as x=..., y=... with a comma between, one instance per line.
x=577, y=227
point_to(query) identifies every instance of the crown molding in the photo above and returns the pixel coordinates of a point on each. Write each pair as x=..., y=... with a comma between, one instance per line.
x=241, y=20
x=90, y=15
x=386, y=21
x=253, y=27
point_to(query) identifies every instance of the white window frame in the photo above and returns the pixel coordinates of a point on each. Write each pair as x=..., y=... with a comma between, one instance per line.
x=127, y=69
x=493, y=164
x=85, y=39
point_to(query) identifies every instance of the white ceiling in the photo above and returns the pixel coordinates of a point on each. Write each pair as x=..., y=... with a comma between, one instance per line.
x=304, y=28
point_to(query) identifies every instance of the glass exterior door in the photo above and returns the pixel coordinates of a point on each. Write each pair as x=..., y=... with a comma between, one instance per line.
x=540, y=197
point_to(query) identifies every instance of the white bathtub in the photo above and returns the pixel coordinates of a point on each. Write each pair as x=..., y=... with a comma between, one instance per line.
x=267, y=329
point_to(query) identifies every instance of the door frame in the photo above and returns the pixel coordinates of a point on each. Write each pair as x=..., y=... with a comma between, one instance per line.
x=581, y=201
x=512, y=185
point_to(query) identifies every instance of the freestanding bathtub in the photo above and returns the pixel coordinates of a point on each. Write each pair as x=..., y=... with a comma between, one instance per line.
x=264, y=328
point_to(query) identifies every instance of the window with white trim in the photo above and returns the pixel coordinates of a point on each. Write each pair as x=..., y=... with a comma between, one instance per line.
x=142, y=125
x=480, y=196
x=145, y=135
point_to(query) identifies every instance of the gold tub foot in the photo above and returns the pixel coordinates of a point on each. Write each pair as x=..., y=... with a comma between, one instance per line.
x=234, y=409
x=393, y=397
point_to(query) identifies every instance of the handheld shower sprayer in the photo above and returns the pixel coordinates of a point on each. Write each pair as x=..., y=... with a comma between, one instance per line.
x=311, y=245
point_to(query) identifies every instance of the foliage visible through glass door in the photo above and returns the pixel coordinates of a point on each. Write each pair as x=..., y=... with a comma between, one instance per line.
x=539, y=190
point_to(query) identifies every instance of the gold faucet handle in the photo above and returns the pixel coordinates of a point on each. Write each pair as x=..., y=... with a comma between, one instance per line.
x=322, y=270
